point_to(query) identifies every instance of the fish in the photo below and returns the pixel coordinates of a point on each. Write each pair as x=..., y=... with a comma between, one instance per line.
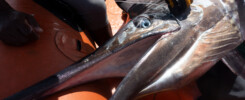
x=209, y=32
x=155, y=37
x=114, y=59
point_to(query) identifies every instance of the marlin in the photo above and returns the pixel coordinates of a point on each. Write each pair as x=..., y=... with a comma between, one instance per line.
x=156, y=51
x=210, y=31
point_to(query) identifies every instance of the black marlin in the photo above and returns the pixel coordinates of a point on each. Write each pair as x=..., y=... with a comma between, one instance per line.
x=156, y=44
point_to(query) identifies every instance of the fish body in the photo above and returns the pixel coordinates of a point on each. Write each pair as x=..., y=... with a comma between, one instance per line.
x=207, y=34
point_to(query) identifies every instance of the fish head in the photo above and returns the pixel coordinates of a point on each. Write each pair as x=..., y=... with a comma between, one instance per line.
x=157, y=21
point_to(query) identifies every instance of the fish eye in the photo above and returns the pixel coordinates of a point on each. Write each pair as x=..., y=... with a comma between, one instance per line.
x=142, y=22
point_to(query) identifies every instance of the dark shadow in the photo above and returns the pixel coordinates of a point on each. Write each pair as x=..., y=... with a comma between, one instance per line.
x=183, y=15
x=220, y=83
x=61, y=10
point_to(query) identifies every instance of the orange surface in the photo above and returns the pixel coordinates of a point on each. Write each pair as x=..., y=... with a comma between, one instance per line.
x=98, y=90
x=114, y=15
x=24, y=66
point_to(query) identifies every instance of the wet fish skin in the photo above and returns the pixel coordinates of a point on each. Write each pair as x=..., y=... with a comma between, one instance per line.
x=211, y=46
x=190, y=67
x=206, y=41
x=162, y=52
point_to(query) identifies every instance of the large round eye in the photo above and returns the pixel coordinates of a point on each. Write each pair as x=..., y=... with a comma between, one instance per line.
x=142, y=22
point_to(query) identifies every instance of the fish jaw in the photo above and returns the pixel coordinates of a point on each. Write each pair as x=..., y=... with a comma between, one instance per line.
x=129, y=41
x=116, y=64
